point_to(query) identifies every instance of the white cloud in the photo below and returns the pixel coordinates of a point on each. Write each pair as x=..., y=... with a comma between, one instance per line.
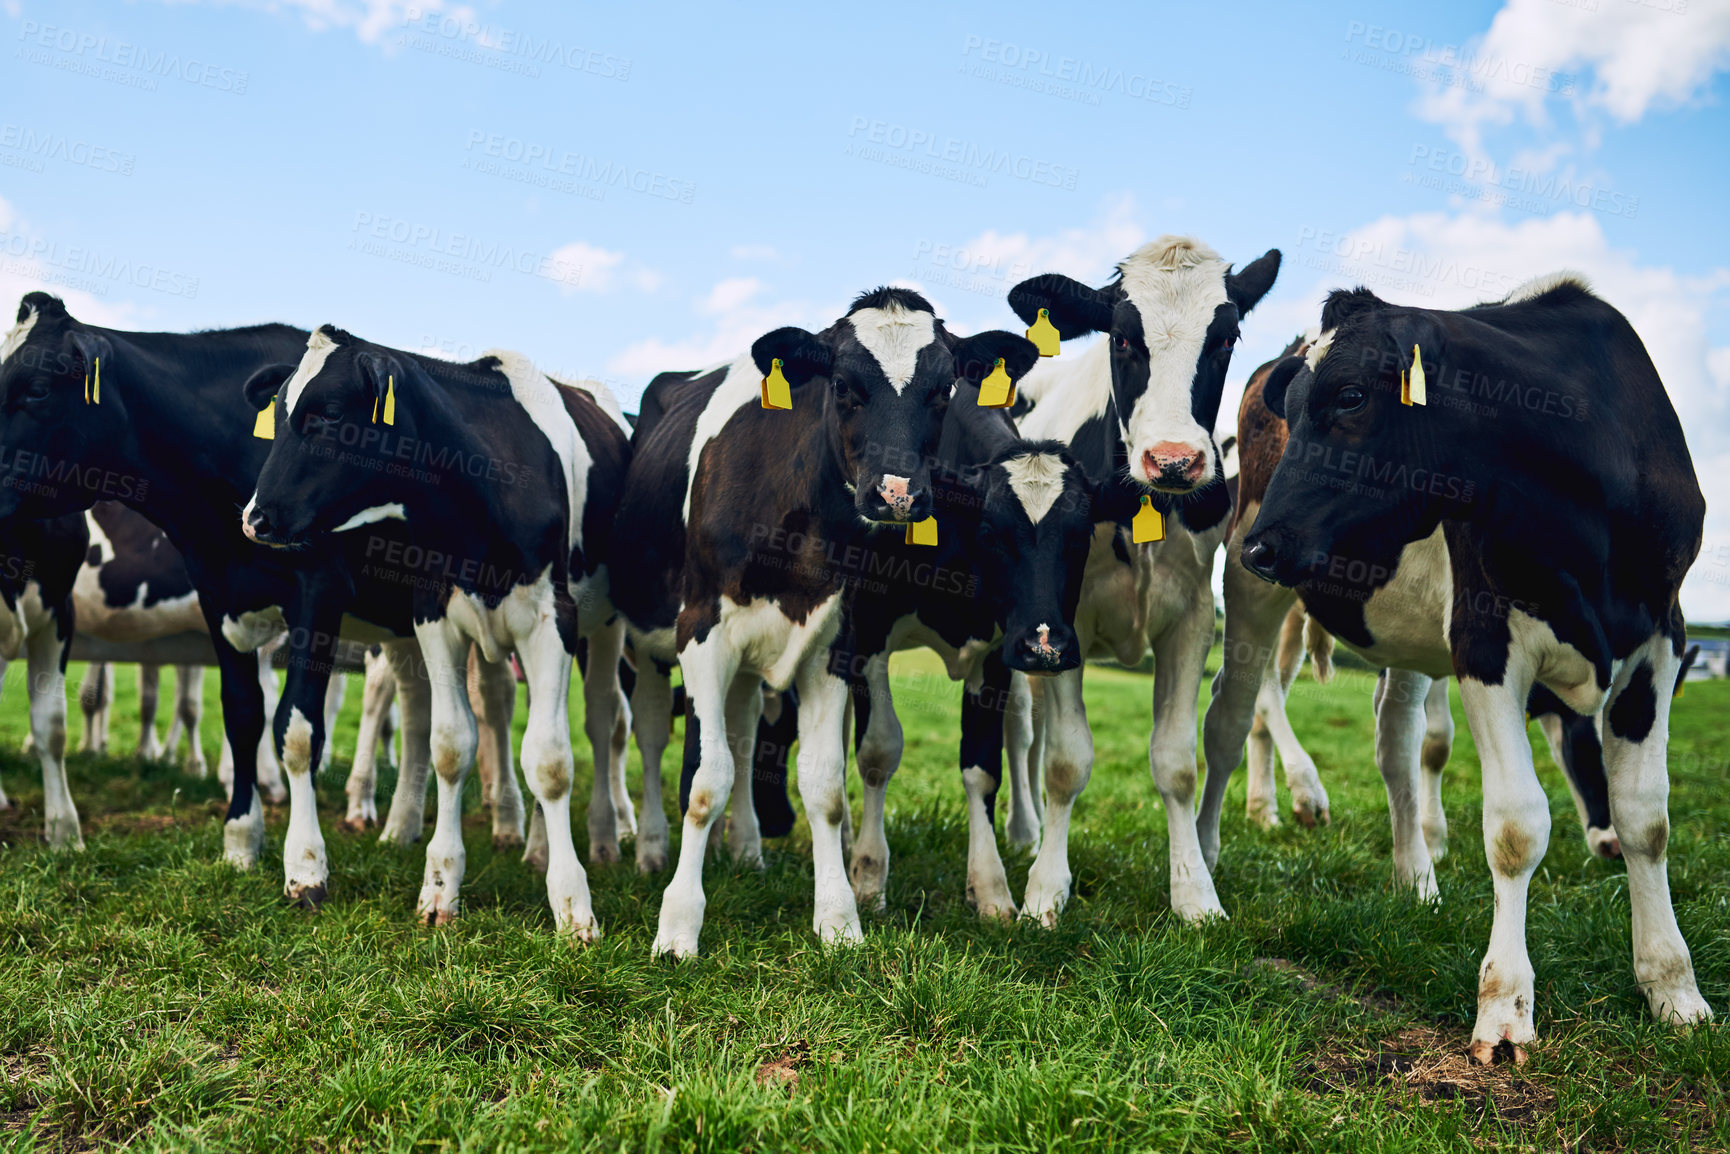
x=370, y=20
x=729, y=294
x=588, y=268
x=1626, y=57
x=725, y=320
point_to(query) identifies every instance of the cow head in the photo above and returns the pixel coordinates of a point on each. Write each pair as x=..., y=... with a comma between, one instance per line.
x=55, y=434
x=1171, y=315
x=889, y=368
x=328, y=469
x=1038, y=510
x=1362, y=475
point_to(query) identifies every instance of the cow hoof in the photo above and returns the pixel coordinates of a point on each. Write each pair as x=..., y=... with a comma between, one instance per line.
x=505, y=839
x=674, y=946
x=1199, y=911
x=396, y=835
x=602, y=853
x=1263, y=816
x=535, y=856
x=1681, y=1005
x=243, y=839
x=992, y=911
x=354, y=825
x=1603, y=842
x=63, y=833
x=274, y=794
x=839, y=929
x=435, y=908
x=1494, y=1053
x=305, y=896
x=650, y=860
x=586, y=930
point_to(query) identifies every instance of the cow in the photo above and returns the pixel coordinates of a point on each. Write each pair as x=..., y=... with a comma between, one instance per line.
x=38, y=564
x=88, y=413
x=514, y=489
x=740, y=532
x=1140, y=405
x=1518, y=491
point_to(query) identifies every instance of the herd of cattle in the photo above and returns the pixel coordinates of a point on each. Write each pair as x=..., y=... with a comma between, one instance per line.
x=1501, y=494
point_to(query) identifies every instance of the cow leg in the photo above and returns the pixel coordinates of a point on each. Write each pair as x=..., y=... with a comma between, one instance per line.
x=1577, y=750
x=619, y=750
x=334, y=692
x=377, y=692
x=149, y=696
x=1438, y=745
x=494, y=685
x=982, y=777
x=188, y=719
x=407, y=817
x=269, y=771
x=1516, y=833
x=1309, y=800
x=1068, y=765
x=776, y=730
x=45, y=651
x=486, y=756
x=1023, y=825
x=243, y=727
x=94, y=694
x=652, y=722
x=1399, y=702
x=744, y=710
x=444, y=650
x=709, y=667
x=1261, y=801
x=299, y=735
x=1253, y=613
x=1179, y=655
x=549, y=768
x=879, y=756
x=601, y=700
x=822, y=787
x=1636, y=734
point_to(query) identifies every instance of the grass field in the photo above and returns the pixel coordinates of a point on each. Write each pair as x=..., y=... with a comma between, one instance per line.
x=154, y=998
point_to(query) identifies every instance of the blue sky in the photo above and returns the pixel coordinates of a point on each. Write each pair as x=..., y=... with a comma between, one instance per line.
x=621, y=189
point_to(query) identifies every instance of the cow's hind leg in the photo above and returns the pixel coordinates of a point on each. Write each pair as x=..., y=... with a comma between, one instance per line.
x=601, y=702
x=652, y=722
x=879, y=756
x=1399, y=702
x=188, y=718
x=494, y=685
x=453, y=739
x=1438, y=746
x=149, y=698
x=407, y=816
x=378, y=690
x=550, y=769
x=744, y=711
x=48, y=726
x=982, y=776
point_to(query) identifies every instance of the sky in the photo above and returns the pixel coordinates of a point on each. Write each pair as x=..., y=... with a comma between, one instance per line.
x=622, y=189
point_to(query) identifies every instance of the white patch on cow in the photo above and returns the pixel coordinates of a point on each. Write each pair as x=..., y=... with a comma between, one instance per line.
x=540, y=398
x=391, y=512
x=18, y=334
x=1037, y=482
x=1549, y=282
x=1318, y=349
x=135, y=621
x=1408, y=616
x=253, y=628
x=773, y=644
x=98, y=540
x=1074, y=392
x=1175, y=283
x=305, y=869
x=318, y=350
x=740, y=387
x=606, y=401
x=894, y=336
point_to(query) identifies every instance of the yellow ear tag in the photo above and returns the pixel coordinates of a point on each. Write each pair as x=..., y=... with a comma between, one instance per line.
x=1044, y=336
x=1412, y=390
x=1148, y=525
x=997, y=391
x=390, y=400
x=264, y=428
x=922, y=532
x=98, y=393
x=777, y=393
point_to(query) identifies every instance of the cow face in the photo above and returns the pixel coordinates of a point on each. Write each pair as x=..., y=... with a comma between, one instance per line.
x=1362, y=475
x=54, y=430
x=889, y=368
x=1171, y=316
x=327, y=470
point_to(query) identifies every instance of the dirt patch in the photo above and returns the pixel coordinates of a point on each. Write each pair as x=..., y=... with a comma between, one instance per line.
x=780, y=1072
x=1432, y=1066
x=134, y=823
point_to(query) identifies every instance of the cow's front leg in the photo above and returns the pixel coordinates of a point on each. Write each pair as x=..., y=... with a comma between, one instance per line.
x=1516, y=833
x=377, y=693
x=709, y=667
x=149, y=698
x=48, y=728
x=549, y=768
x=822, y=786
x=1636, y=734
x=982, y=777
x=1179, y=654
x=1068, y=747
x=299, y=737
x=407, y=817
x=600, y=715
x=879, y=756
x=269, y=770
x=189, y=717
x=445, y=653
x=494, y=684
x=1019, y=739
x=1576, y=746
x=1399, y=703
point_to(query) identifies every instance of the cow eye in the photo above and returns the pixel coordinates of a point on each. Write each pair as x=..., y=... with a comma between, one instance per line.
x=1226, y=345
x=36, y=391
x=332, y=411
x=1121, y=343
x=1350, y=400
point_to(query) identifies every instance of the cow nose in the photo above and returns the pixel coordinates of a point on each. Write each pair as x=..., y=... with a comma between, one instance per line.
x=898, y=495
x=1172, y=463
x=1261, y=559
x=256, y=526
x=1047, y=649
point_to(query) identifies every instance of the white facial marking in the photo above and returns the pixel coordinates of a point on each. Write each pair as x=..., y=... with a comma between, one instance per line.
x=894, y=337
x=391, y=512
x=1037, y=482
x=1319, y=349
x=318, y=350
x=19, y=333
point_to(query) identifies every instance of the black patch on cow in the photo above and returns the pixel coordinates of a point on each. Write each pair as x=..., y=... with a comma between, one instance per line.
x=1636, y=707
x=1582, y=754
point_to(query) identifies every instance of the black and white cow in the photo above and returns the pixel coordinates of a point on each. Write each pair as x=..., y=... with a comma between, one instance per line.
x=1530, y=524
x=1140, y=405
x=515, y=491
x=734, y=536
x=38, y=563
x=160, y=422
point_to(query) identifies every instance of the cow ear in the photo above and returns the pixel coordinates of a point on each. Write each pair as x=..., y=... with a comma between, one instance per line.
x=1075, y=308
x=89, y=346
x=801, y=353
x=261, y=386
x=1249, y=286
x=1115, y=499
x=1273, y=390
x=1344, y=304
x=977, y=355
x=380, y=372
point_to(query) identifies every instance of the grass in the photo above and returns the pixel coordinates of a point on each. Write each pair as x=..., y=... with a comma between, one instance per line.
x=154, y=998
